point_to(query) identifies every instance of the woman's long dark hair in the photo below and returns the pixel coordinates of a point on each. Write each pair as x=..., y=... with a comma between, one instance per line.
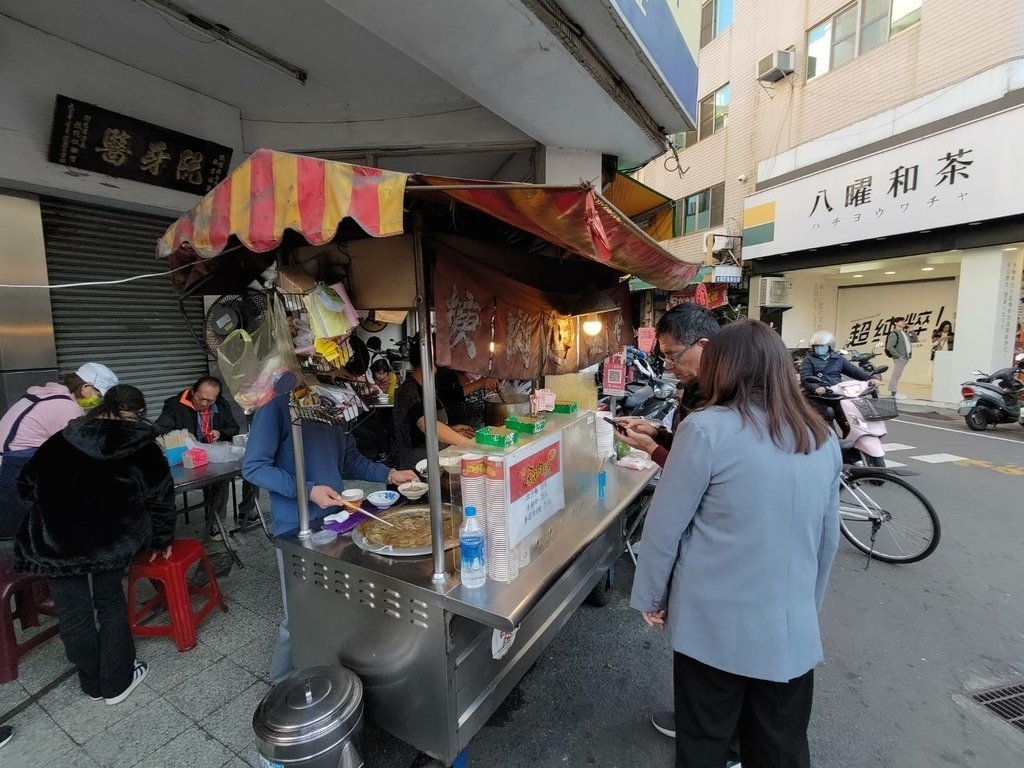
x=119, y=398
x=746, y=366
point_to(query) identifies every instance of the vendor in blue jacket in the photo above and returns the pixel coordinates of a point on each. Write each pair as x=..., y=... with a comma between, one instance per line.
x=824, y=364
x=331, y=454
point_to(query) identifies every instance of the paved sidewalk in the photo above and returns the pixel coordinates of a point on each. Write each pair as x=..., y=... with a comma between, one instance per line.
x=193, y=709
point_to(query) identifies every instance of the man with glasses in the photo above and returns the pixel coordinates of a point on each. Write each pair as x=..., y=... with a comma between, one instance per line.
x=206, y=415
x=683, y=332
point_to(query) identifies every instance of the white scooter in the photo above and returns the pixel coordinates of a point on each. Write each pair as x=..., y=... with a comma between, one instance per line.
x=859, y=421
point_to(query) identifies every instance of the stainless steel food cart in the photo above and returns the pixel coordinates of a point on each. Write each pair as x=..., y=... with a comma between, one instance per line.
x=425, y=650
x=433, y=667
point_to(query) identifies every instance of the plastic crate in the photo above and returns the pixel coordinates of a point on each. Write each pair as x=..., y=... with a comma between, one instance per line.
x=877, y=408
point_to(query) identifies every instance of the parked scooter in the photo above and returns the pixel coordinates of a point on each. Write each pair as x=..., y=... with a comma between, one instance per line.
x=859, y=420
x=993, y=398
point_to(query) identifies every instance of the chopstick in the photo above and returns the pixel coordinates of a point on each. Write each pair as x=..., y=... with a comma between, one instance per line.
x=350, y=505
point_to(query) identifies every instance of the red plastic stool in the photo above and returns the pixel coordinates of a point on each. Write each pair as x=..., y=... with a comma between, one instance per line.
x=31, y=598
x=175, y=594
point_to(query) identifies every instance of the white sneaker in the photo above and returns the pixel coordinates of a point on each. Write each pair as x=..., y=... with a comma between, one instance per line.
x=141, y=670
x=900, y=397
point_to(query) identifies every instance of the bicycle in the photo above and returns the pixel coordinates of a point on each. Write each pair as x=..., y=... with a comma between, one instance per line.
x=885, y=517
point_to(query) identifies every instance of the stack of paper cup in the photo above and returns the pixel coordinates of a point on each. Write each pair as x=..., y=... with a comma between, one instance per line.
x=474, y=477
x=502, y=561
x=605, y=439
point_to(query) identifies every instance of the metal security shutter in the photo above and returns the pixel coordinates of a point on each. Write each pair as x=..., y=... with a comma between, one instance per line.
x=134, y=328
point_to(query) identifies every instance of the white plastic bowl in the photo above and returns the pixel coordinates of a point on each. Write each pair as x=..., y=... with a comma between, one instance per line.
x=353, y=495
x=383, y=499
x=413, y=491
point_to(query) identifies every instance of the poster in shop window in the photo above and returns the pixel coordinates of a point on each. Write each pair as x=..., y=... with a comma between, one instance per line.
x=866, y=315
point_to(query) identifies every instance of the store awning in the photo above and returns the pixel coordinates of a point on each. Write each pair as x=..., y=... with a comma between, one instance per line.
x=272, y=192
x=575, y=218
x=652, y=211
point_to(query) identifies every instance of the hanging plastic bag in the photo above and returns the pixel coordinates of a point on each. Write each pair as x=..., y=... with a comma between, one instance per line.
x=253, y=363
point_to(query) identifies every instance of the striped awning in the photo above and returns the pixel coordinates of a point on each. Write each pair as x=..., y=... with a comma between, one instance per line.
x=275, y=191
x=272, y=192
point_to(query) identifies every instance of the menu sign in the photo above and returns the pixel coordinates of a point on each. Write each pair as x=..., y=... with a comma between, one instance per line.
x=95, y=139
x=536, y=488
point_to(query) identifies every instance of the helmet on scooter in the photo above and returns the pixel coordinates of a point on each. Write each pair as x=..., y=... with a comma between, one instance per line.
x=822, y=342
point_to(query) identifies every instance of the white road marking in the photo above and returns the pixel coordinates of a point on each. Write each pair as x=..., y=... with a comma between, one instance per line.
x=893, y=464
x=939, y=458
x=959, y=432
x=890, y=447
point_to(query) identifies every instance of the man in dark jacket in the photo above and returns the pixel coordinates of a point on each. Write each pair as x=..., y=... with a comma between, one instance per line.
x=824, y=367
x=202, y=410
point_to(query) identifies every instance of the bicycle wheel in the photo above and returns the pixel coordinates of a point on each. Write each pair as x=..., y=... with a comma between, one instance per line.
x=888, y=509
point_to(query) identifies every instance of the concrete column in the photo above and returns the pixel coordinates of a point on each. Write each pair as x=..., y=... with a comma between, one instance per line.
x=28, y=354
x=986, y=318
x=558, y=165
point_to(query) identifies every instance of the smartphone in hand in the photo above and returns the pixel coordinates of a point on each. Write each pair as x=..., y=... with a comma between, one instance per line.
x=618, y=427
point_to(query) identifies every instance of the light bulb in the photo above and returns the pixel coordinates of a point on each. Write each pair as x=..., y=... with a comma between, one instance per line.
x=491, y=345
x=592, y=327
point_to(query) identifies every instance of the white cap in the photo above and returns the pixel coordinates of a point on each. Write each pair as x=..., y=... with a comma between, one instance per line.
x=98, y=375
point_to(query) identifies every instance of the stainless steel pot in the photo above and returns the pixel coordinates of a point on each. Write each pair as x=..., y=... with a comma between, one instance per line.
x=313, y=719
x=496, y=410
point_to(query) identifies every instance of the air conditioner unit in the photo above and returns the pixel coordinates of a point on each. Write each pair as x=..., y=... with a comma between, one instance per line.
x=773, y=68
x=774, y=292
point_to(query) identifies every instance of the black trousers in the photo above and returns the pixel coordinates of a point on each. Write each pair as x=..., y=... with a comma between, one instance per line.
x=94, y=627
x=712, y=705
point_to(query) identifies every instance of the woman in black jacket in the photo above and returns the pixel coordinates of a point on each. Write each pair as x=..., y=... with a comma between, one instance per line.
x=98, y=492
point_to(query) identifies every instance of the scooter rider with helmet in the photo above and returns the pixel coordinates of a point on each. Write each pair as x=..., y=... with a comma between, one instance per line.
x=824, y=367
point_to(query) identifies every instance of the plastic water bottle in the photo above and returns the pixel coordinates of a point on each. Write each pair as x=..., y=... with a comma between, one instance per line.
x=471, y=543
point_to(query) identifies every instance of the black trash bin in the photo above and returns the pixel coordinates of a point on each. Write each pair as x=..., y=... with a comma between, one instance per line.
x=314, y=719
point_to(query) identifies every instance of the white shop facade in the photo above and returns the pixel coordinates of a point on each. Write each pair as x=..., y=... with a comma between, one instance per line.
x=930, y=228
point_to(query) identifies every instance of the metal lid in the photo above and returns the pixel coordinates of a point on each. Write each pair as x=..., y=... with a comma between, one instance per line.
x=310, y=704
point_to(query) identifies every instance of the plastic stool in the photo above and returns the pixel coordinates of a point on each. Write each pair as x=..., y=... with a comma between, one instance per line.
x=31, y=598
x=175, y=593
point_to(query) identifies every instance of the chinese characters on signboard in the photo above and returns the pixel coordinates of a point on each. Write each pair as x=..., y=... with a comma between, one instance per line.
x=869, y=332
x=536, y=488
x=952, y=171
x=91, y=138
x=963, y=175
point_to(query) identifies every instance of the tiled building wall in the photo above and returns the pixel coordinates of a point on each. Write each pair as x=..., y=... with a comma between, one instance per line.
x=954, y=41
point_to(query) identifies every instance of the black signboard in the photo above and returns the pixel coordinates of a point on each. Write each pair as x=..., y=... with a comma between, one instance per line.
x=95, y=139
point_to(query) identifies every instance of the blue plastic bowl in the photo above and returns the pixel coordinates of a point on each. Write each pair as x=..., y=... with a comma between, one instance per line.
x=174, y=454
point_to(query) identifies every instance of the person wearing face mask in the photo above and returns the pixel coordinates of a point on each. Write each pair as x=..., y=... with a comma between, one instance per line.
x=824, y=367
x=31, y=421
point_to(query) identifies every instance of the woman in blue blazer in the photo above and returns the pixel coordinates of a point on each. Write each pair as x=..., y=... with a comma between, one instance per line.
x=737, y=549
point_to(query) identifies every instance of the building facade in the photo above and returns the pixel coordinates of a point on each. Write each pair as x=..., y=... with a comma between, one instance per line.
x=867, y=154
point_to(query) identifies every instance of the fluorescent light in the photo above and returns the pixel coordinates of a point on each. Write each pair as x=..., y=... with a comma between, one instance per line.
x=890, y=273
x=226, y=36
x=858, y=275
x=927, y=269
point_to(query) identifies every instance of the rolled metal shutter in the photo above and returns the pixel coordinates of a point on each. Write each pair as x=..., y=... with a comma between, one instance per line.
x=134, y=328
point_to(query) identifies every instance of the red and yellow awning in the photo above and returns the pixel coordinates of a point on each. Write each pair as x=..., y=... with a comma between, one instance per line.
x=274, y=191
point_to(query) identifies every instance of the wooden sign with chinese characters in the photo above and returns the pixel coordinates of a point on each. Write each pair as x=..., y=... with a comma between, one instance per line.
x=95, y=139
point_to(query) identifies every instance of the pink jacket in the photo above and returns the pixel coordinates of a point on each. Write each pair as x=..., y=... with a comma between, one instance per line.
x=46, y=419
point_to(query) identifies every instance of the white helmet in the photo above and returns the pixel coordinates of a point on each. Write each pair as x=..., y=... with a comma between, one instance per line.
x=824, y=339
